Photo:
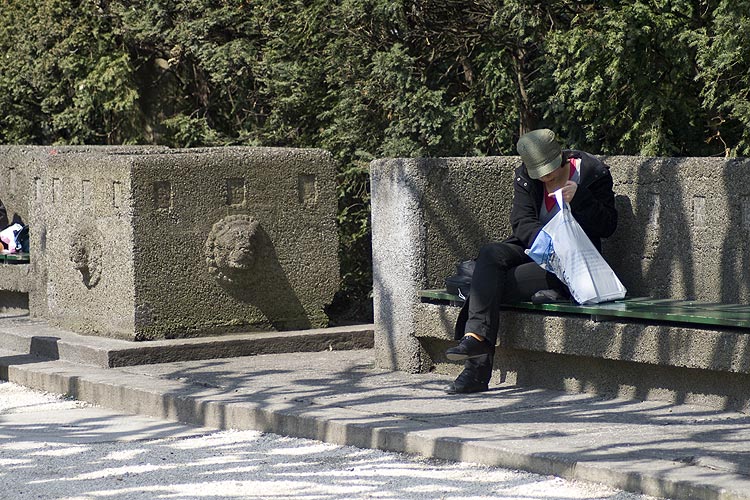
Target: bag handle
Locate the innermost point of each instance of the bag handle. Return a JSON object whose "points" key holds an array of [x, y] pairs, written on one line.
{"points": [[559, 197], [564, 207]]}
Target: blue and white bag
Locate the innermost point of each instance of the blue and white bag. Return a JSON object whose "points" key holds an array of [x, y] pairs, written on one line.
{"points": [[563, 248]]}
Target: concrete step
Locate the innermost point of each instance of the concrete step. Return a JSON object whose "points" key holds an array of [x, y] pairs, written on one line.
{"points": [[681, 452], [24, 335]]}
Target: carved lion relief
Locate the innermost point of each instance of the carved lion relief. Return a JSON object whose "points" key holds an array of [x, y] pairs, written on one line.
{"points": [[232, 248], [86, 255]]}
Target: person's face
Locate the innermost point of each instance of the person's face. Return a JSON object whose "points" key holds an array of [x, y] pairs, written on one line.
{"points": [[554, 177]]}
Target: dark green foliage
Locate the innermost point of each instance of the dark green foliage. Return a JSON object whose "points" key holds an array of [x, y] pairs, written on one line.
{"points": [[376, 78], [65, 76], [627, 80], [723, 61]]}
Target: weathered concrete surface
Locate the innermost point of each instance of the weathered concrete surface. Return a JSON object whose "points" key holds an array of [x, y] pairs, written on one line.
{"points": [[36, 337], [681, 231], [681, 234], [16, 277], [146, 243], [676, 451], [427, 214], [88, 241], [398, 262], [290, 192], [25, 186]]}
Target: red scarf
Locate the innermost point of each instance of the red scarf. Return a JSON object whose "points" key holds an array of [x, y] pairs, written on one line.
{"points": [[549, 201]]}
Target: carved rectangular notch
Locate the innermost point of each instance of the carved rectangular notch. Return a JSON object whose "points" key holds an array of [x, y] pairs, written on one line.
{"points": [[57, 190], [699, 211], [236, 191], [746, 212], [11, 180], [307, 189], [163, 195], [38, 186], [117, 194], [655, 208], [87, 193]]}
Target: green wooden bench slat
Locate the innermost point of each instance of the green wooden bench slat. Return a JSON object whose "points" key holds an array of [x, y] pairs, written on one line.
{"points": [[15, 258], [679, 311], [439, 295]]}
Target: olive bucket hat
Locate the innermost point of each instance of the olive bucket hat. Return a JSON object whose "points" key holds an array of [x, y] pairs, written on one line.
{"points": [[540, 152]]}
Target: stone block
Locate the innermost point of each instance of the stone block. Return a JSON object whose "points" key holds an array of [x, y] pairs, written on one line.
{"points": [[147, 243]]}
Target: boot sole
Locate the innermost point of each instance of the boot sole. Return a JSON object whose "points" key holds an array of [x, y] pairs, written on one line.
{"points": [[463, 357], [464, 390]]}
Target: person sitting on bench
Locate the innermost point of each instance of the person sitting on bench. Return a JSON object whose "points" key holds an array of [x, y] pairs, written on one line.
{"points": [[503, 272]]}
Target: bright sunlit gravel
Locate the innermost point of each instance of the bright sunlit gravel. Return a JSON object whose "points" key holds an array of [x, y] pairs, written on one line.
{"points": [[50, 448]]}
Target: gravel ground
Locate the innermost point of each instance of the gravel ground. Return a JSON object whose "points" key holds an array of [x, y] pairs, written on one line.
{"points": [[68, 460]]}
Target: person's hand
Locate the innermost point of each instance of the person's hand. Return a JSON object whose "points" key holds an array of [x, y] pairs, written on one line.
{"points": [[568, 191]]}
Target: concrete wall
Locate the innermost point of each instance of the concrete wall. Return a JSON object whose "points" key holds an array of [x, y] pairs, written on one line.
{"points": [[19, 165], [144, 243], [216, 195], [683, 229], [682, 234]]}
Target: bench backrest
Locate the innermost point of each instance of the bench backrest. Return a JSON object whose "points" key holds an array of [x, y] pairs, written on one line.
{"points": [[683, 230]]}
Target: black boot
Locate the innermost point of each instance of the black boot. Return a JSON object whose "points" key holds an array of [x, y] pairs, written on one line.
{"points": [[463, 386], [469, 348], [474, 378]]}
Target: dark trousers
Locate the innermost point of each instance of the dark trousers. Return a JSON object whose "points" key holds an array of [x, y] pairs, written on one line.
{"points": [[503, 274]]}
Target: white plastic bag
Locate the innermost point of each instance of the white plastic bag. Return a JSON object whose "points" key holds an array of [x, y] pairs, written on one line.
{"points": [[8, 236], [563, 248]]}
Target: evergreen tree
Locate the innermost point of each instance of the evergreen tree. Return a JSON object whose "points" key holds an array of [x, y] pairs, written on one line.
{"points": [[378, 78]]}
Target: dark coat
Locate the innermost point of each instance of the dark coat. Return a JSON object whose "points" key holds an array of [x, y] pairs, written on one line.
{"points": [[3, 217], [593, 205]]}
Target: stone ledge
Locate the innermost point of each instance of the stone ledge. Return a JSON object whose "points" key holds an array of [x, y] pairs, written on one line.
{"points": [[28, 336], [15, 277]]}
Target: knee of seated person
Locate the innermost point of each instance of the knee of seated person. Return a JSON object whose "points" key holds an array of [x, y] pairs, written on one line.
{"points": [[488, 251], [494, 252]]}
